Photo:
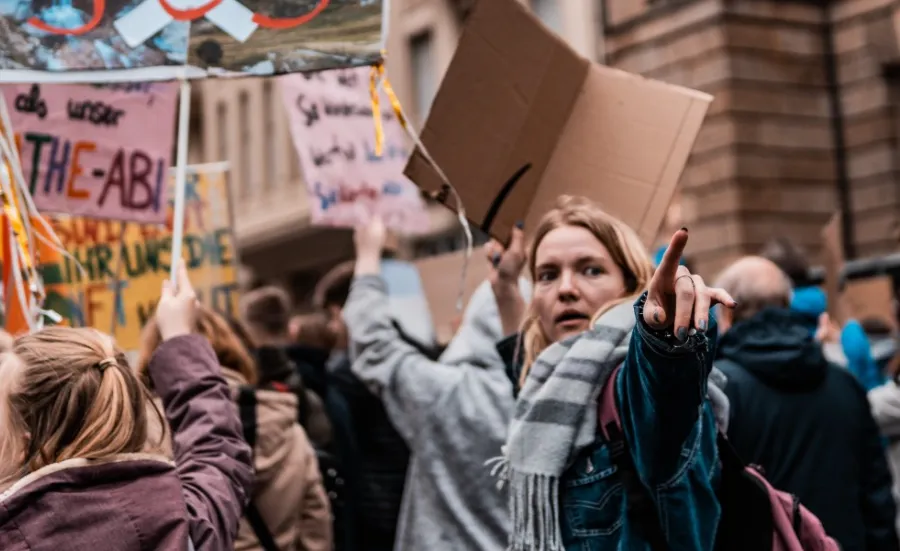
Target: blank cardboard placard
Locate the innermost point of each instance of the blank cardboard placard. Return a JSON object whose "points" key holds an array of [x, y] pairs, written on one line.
{"points": [[834, 261], [440, 277], [520, 119], [871, 298]]}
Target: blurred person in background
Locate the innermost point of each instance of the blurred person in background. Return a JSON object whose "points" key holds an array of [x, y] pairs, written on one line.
{"points": [[805, 421], [288, 506], [266, 314], [78, 467], [453, 413], [381, 456]]}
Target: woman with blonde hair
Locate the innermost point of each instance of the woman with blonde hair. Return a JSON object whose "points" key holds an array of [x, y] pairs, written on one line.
{"points": [[600, 314], [288, 509], [74, 424]]}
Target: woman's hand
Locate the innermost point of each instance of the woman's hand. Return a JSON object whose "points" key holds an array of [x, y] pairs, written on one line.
{"points": [[679, 299], [369, 240], [506, 265], [827, 332], [176, 312]]}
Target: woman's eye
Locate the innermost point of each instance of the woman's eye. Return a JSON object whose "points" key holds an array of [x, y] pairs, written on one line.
{"points": [[593, 271], [546, 276]]}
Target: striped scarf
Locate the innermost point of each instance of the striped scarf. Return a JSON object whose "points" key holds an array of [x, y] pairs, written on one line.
{"points": [[555, 420]]}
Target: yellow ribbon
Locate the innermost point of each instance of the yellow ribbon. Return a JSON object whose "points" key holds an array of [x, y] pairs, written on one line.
{"points": [[378, 74]]}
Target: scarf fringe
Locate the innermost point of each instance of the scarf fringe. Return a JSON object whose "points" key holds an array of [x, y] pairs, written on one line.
{"points": [[534, 504]]}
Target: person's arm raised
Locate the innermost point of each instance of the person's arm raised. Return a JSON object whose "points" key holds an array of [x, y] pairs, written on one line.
{"points": [[212, 460], [408, 383], [506, 268], [664, 381]]}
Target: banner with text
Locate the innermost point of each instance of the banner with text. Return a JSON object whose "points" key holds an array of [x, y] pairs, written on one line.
{"points": [[101, 151], [332, 126], [142, 258], [91, 41]]}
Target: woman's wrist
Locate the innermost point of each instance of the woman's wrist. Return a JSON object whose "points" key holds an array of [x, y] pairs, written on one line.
{"points": [[367, 264]]}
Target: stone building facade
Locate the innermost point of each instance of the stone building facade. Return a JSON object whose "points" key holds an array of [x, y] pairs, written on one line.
{"points": [[805, 122]]}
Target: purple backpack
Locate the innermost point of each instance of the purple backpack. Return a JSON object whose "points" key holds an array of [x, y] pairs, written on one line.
{"points": [[755, 516]]}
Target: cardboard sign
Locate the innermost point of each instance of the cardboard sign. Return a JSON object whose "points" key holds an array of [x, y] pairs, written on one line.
{"points": [[440, 277], [871, 298], [97, 151], [520, 119], [168, 39], [834, 261], [332, 126], [143, 257]]}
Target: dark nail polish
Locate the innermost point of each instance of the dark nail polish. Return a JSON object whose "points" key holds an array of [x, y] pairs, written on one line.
{"points": [[496, 259], [702, 326], [682, 334], [520, 224], [683, 228]]}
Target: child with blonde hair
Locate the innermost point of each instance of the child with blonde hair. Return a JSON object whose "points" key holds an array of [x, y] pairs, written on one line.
{"points": [[74, 430]]}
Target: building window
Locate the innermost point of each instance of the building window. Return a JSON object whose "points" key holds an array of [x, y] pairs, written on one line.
{"points": [[423, 72], [548, 12]]}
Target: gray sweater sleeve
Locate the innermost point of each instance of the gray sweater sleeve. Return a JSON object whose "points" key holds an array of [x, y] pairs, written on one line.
{"points": [[409, 384]]}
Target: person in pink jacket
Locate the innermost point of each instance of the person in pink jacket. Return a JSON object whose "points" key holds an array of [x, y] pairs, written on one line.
{"points": [[74, 472]]}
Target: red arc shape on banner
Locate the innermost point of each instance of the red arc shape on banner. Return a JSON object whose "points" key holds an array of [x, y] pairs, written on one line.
{"points": [[99, 8], [289, 22]]}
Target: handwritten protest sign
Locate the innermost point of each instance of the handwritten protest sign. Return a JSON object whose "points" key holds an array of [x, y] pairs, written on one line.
{"points": [[97, 151], [143, 259], [166, 39], [331, 123]]}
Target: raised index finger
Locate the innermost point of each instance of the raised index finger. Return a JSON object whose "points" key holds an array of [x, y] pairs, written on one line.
{"points": [[668, 266]]}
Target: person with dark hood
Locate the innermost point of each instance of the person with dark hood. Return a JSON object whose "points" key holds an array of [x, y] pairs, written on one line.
{"points": [[805, 421], [266, 313], [381, 458]]}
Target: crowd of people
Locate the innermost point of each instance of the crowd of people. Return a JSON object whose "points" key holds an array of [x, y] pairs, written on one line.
{"points": [[593, 398]]}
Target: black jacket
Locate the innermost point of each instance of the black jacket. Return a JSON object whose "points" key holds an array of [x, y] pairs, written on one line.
{"points": [[808, 424]]}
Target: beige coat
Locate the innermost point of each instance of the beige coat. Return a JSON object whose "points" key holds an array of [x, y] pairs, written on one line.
{"points": [[289, 492]]}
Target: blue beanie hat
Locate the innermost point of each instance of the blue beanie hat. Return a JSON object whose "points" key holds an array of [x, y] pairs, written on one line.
{"points": [[809, 300]]}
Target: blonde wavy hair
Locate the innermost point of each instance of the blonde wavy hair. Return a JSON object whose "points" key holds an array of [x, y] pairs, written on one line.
{"points": [[71, 395], [623, 244]]}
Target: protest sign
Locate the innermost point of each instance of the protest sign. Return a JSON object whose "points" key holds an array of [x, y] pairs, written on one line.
{"points": [[93, 40], [96, 151], [142, 258], [441, 279], [332, 126], [871, 298], [520, 119]]}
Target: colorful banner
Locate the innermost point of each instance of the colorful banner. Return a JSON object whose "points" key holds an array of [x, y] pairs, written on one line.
{"points": [[332, 126], [101, 151], [167, 39], [137, 263]]}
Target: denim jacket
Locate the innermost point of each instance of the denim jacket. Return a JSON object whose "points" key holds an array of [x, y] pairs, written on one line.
{"points": [[670, 432]]}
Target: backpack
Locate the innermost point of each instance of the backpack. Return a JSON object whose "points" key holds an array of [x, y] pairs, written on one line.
{"points": [[755, 516]]}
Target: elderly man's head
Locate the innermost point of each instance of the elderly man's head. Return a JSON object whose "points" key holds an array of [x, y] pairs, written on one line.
{"points": [[755, 284]]}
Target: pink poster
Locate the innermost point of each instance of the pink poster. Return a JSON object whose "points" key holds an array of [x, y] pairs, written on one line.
{"points": [[100, 151], [334, 133]]}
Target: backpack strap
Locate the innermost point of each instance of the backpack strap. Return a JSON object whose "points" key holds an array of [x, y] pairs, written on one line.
{"points": [[639, 505], [247, 410]]}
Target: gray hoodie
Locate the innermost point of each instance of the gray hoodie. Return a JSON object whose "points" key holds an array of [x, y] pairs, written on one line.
{"points": [[453, 415]]}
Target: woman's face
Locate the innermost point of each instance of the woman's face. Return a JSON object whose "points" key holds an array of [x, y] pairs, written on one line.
{"points": [[575, 277]]}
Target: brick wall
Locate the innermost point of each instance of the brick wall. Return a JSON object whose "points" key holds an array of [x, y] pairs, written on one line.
{"points": [[764, 162], [865, 42]]}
